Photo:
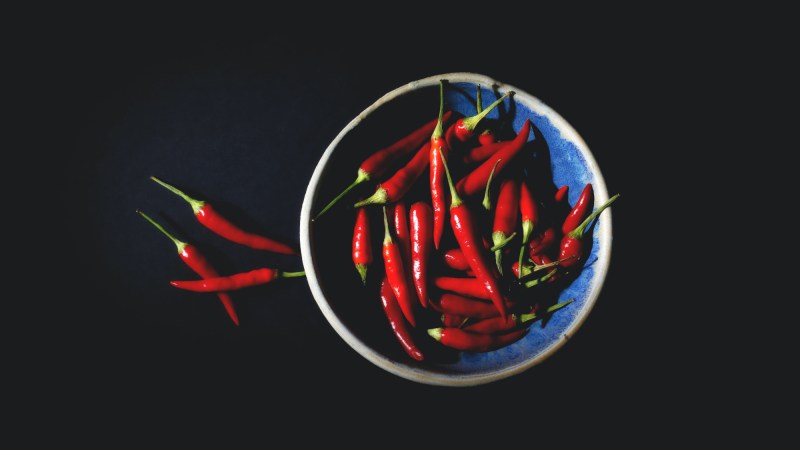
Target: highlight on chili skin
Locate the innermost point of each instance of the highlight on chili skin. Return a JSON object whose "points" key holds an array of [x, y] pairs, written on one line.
{"points": [[490, 248]]}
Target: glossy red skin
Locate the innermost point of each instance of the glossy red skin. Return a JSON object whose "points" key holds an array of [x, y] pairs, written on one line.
{"points": [[543, 241], [471, 287], [379, 162], [400, 220], [438, 185], [463, 340], [397, 321], [215, 222], [507, 209], [454, 258], [561, 193], [528, 207], [362, 243], [196, 261], [465, 306], [421, 229], [583, 207], [398, 279], [483, 152], [571, 247], [475, 181], [544, 259], [399, 184], [471, 243], [493, 325], [233, 282], [486, 138]]}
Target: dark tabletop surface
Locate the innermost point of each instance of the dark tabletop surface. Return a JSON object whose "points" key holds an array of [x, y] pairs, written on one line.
{"points": [[240, 116]]}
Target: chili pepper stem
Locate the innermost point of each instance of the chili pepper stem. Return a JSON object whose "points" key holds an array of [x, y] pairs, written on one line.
{"points": [[544, 278], [478, 102], [455, 200], [360, 178], [487, 202], [436, 333], [577, 233], [178, 243], [471, 122], [503, 241], [283, 274], [196, 205], [524, 318], [380, 197], [362, 271]]}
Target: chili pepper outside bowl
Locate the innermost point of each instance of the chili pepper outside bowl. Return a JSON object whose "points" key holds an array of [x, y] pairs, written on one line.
{"points": [[354, 309]]}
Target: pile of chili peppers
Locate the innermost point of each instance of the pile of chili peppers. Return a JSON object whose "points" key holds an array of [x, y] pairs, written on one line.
{"points": [[211, 280], [482, 254]]}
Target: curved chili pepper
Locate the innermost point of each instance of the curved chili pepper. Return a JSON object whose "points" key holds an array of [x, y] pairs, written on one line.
{"points": [[196, 261], [529, 209], [400, 218], [397, 321], [572, 244], [463, 340], [393, 189], [475, 181], [382, 160], [505, 218], [421, 245], [464, 127], [236, 281], [464, 306], [454, 258], [543, 242], [438, 148], [580, 210], [211, 219], [362, 244], [469, 239], [499, 324], [483, 152], [395, 272]]}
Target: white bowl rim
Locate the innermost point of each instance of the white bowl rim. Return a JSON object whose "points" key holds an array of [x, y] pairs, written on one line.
{"points": [[415, 373]]}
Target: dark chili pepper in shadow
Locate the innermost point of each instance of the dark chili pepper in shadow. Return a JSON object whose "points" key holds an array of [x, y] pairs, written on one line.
{"points": [[236, 281]]}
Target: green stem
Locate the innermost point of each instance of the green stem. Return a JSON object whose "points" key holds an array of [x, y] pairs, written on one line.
{"points": [[282, 274], [523, 318], [380, 197], [478, 103], [577, 233], [435, 333], [197, 205], [471, 122], [362, 177], [487, 203], [437, 132], [455, 200], [500, 241], [546, 277], [178, 243], [387, 237]]}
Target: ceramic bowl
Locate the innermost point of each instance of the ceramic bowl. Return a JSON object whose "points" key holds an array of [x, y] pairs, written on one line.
{"points": [[354, 310]]}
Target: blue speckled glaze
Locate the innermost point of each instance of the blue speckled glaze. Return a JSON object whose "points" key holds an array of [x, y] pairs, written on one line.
{"points": [[572, 164]]}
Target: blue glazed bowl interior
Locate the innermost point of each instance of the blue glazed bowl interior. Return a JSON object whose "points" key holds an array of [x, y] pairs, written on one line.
{"points": [[555, 156]]}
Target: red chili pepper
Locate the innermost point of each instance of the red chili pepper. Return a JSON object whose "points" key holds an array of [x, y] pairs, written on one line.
{"points": [[543, 242], [196, 261], [393, 189], [438, 148], [464, 306], [454, 258], [580, 210], [236, 281], [211, 219], [395, 272], [397, 321], [475, 181], [561, 193], [468, 286], [483, 152], [400, 218], [463, 340], [382, 160], [572, 244], [529, 209], [487, 135], [362, 244], [524, 275], [505, 218], [464, 127], [499, 324], [421, 245], [471, 243]]}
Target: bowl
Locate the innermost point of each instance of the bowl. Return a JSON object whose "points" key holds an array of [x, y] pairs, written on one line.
{"points": [[354, 310]]}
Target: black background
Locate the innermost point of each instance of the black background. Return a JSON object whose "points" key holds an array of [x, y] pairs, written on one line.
{"points": [[238, 111]]}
